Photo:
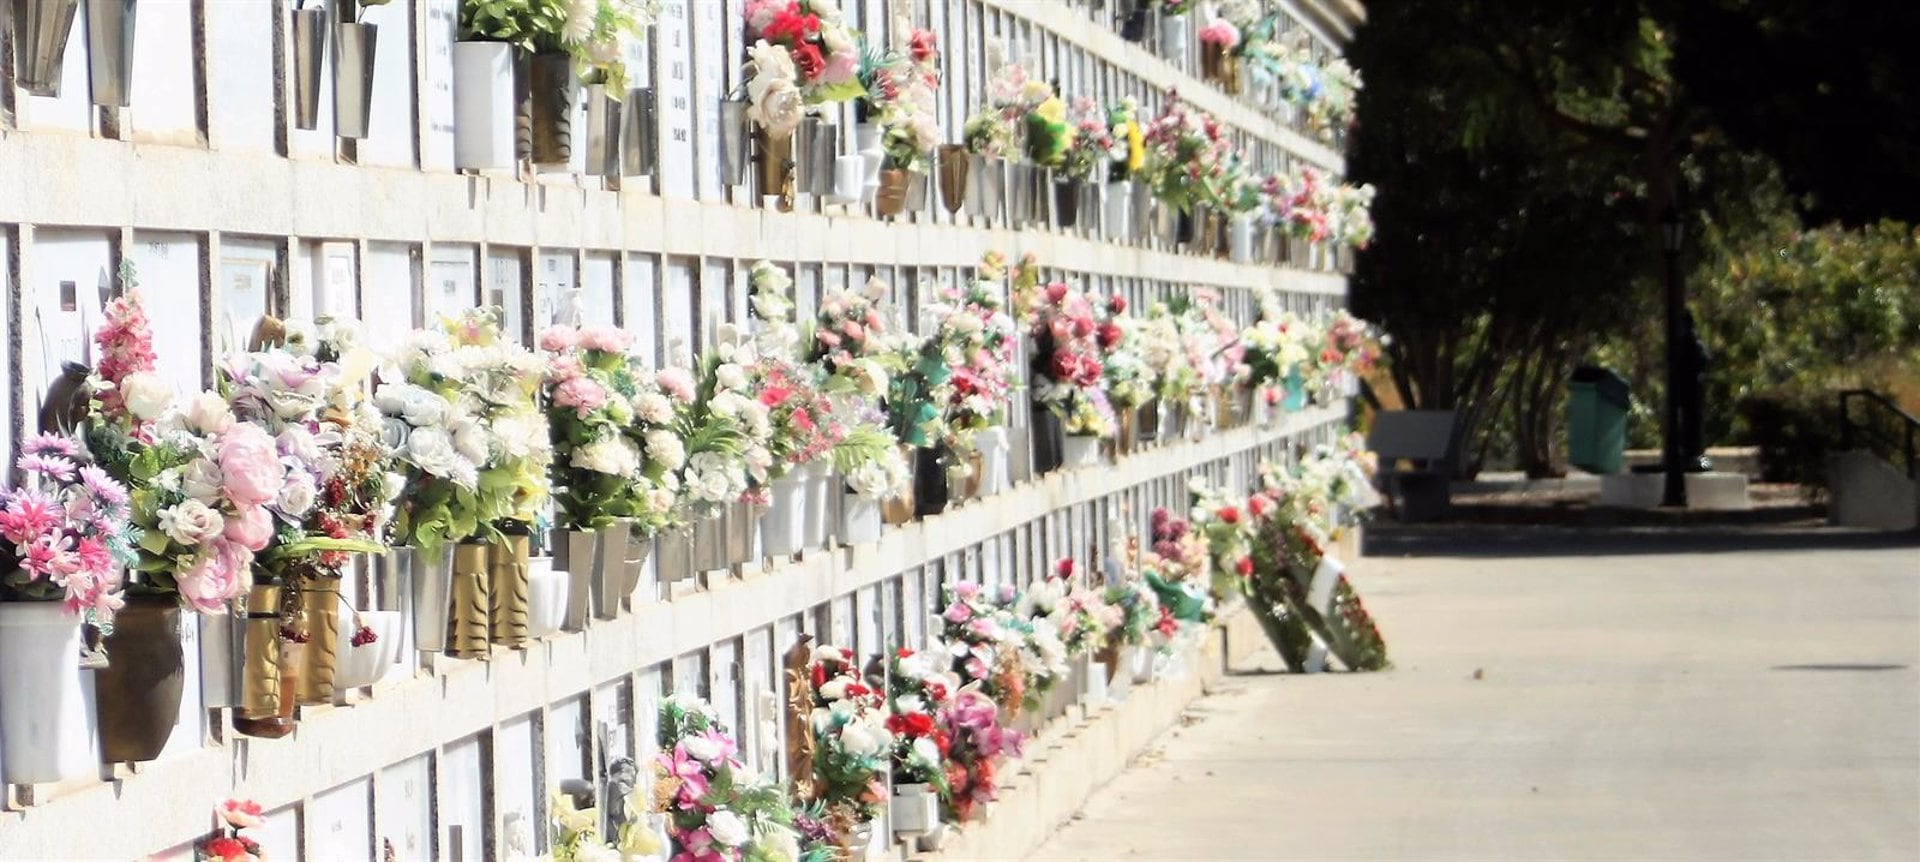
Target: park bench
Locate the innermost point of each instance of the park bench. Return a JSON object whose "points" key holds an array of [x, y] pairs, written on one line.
{"points": [[1424, 439]]}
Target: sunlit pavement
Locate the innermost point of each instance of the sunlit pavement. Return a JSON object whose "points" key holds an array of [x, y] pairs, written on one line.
{"points": [[1565, 695]]}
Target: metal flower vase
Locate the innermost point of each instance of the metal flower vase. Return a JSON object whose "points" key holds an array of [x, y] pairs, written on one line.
{"points": [[637, 151], [773, 163], [469, 605], [1066, 201], [110, 51], [40, 30], [354, 52], [309, 55], [432, 590], [614, 575], [268, 671], [509, 593], [576, 554], [317, 610], [734, 138], [546, 114], [952, 162], [603, 132], [892, 197]]}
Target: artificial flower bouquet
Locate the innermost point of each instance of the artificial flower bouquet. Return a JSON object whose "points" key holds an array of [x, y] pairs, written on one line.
{"points": [[850, 341], [919, 387], [919, 691], [1275, 345], [1128, 375], [1090, 143], [310, 407], [976, 337], [1066, 367], [724, 428], [589, 387], [870, 461], [852, 746], [659, 400], [67, 529], [978, 743], [1039, 616], [983, 646], [825, 53], [441, 443], [999, 127], [1229, 532], [1178, 566], [1088, 620], [900, 88], [1049, 133], [1143, 620], [600, 32], [803, 425], [1342, 351], [1125, 139], [717, 809], [1187, 153]]}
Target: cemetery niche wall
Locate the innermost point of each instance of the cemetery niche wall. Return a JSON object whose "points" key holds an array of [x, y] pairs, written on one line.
{"points": [[1013, 254]]}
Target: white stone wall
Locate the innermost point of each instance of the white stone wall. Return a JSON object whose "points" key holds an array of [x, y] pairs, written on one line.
{"points": [[227, 211]]}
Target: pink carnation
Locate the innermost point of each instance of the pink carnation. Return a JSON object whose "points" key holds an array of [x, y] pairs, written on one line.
{"points": [[676, 382], [558, 338], [608, 339], [583, 394]]}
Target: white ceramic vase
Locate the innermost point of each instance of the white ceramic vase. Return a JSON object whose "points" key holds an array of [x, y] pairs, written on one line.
{"points": [[859, 519], [47, 725], [1080, 450], [547, 594], [783, 528], [994, 446], [819, 503], [368, 663], [867, 139], [1240, 239], [914, 809]]}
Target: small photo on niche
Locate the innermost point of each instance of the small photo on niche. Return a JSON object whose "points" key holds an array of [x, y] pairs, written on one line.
{"points": [[243, 296], [69, 297]]}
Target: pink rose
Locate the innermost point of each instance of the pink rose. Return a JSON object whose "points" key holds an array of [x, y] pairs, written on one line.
{"points": [[958, 612], [840, 68], [250, 468], [1056, 292], [216, 578], [251, 529], [557, 338], [609, 339]]}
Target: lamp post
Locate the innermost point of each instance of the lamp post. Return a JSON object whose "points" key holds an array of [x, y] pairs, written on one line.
{"points": [[1672, 231]]}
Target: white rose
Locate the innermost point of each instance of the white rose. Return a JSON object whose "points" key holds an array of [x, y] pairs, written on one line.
{"points": [[860, 740], [926, 751], [209, 414], [727, 828], [666, 449], [660, 500], [909, 703], [422, 408], [731, 376], [835, 689], [191, 522], [713, 486], [201, 481], [470, 440], [593, 851], [145, 395], [431, 449], [701, 748], [297, 495]]}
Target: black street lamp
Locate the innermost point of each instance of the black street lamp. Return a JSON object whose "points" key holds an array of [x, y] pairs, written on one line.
{"points": [[1672, 232]]}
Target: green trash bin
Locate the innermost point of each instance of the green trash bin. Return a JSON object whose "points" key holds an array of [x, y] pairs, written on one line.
{"points": [[1597, 406]]}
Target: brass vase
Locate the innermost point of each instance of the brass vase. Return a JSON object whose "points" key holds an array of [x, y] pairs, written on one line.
{"points": [[546, 109], [892, 198], [952, 163], [259, 711], [508, 591], [317, 604], [469, 614], [898, 509], [138, 692], [773, 163]]}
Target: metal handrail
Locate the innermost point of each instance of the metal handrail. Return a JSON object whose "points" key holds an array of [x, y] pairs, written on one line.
{"points": [[1910, 424]]}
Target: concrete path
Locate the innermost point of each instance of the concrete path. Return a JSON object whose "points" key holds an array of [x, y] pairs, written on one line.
{"points": [[1565, 695]]}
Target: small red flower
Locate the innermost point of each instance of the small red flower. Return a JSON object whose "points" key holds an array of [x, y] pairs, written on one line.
{"points": [[1244, 567], [1064, 568], [1116, 304], [1229, 515], [1109, 335], [225, 849]]}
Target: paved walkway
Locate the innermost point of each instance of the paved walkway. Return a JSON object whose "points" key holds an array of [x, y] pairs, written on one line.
{"points": [[1565, 695]]}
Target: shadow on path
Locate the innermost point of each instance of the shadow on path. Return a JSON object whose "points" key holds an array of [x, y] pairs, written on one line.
{"points": [[1489, 541]]}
